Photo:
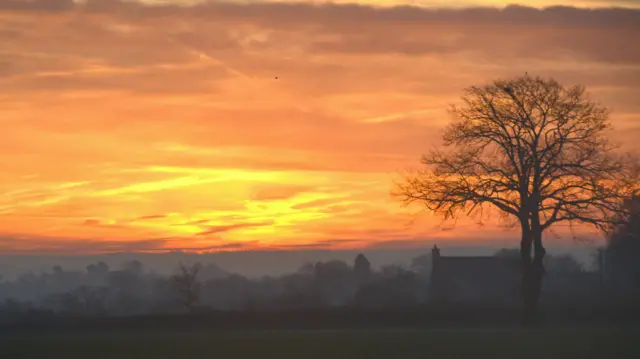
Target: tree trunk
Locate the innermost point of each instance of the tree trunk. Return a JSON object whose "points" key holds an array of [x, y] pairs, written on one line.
{"points": [[525, 267], [532, 270]]}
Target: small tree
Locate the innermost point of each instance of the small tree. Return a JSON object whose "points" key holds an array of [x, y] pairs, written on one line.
{"points": [[534, 150], [186, 284], [361, 269], [98, 269]]}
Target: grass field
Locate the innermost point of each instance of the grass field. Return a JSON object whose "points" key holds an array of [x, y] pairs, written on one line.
{"points": [[440, 344]]}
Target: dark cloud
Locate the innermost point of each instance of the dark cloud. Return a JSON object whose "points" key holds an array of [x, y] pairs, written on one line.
{"points": [[401, 243], [596, 34], [16, 244], [284, 247], [139, 44], [323, 244], [228, 246], [343, 14], [37, 5], [24, 244]]}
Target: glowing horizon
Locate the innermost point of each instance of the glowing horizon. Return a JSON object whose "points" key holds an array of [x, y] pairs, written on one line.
{"points": [[133, 129], [425, 3]]}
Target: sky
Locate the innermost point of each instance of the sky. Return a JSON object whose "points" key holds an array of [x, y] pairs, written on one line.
{"points": [[262, 125]]}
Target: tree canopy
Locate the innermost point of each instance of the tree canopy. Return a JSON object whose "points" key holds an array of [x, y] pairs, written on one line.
{"points": [[537, 151], [527, 146]]}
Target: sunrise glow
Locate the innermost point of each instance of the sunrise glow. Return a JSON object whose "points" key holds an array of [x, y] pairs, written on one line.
{"points": [[220, 127]]}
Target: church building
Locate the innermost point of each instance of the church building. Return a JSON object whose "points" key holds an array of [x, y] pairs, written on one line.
{"points": [[489, 280]]}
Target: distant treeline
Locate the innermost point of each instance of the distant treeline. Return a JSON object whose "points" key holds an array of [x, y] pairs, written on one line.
{"points": [[324, 287]]}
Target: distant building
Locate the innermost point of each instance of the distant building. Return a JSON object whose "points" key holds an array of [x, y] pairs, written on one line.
{"points": [[490, 280]]}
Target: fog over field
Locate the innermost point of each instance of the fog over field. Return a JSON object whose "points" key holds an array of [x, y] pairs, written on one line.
{"points": [[265, 263]]}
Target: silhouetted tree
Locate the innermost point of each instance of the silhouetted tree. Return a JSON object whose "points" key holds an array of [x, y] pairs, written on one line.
{"points": [[128, 286], [335, 281], [394, 286], [187, 285], [134, 267], [537, 152], [307, 269], [211, 271], [361, 269], [98, 269], [422, 264], [57, 270], [622, 251]]}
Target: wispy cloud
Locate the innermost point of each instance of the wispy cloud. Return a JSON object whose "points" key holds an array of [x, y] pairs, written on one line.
{"points": [[232, 227], [278, 192], [265, 123], [60, 245], [150, 217], [100, 224]]}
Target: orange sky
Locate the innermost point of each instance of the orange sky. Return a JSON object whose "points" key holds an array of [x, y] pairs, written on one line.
{"points": [[143, 128]]}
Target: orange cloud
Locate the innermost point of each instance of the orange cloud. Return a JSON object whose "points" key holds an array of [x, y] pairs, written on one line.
{"points": [[231, 227], [263, 125]]}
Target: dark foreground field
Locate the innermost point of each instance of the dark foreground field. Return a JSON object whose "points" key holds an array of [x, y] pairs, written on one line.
{"points": [[329, 344]]}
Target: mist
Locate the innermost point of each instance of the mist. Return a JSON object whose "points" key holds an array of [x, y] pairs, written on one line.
{"points": [[256, 264]]}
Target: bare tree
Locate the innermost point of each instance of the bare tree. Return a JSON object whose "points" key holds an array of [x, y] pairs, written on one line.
{"points": [[186, 284], [535, 150]]}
